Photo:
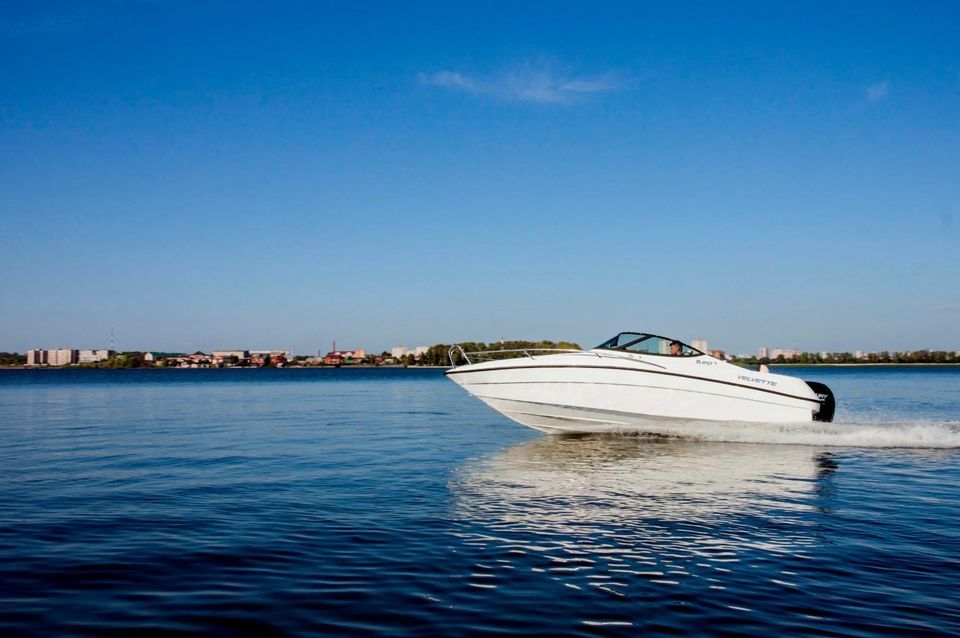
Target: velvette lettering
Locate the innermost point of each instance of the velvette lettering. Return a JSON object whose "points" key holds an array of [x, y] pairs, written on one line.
{"points": [[756, 380]]}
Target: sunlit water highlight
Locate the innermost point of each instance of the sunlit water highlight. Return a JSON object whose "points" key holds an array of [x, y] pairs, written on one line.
{"points": [[389, 502], [892, 434]]}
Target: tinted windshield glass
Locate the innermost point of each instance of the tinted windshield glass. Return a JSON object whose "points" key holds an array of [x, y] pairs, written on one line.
{"points": [[621, 340], [649, 344]]}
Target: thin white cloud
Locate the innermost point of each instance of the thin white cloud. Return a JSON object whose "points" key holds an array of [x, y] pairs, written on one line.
{"points": [[449, 79], [541, 83], [877, 92]]}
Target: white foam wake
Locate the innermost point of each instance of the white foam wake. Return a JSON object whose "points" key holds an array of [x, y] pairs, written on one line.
{"points": [[917, 434]]}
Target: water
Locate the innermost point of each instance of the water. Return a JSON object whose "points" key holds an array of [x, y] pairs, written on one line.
{"points": [[295, 502]]}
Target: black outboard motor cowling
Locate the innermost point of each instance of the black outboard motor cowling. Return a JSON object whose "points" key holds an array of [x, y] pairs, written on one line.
{"points": [[828, 404]]}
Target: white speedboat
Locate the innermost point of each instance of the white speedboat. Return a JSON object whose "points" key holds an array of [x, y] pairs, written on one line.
{"points": [[636, 382]]}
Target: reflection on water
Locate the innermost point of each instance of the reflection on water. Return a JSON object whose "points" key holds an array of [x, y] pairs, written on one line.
{"points": [[615, 512], [580, 479]]}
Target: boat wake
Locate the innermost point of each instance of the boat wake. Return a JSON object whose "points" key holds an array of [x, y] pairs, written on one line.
{"points": [[907, 434]]}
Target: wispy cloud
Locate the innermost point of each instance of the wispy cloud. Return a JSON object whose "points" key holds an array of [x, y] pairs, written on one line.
{"points": [[531, 82], [449, 79], [877, 92]]}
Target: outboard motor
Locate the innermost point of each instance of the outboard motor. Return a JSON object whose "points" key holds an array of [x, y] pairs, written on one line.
{"points": [[828, 404]]}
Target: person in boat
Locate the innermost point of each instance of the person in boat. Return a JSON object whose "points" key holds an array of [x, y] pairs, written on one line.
{"points": [[676, 348]]}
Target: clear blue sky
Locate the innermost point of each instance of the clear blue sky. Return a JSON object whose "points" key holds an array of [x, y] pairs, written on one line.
{"points": [[211, 175]]}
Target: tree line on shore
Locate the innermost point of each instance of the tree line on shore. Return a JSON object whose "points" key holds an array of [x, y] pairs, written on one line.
{"points": [[439, 354], [917, 356], [12, 359]]}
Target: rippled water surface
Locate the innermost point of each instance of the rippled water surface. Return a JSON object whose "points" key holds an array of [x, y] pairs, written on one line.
{"points": [[293, 502]]}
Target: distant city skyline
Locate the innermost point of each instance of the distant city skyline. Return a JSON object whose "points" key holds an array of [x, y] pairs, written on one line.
{"points": [[66, 355], [215, 176], [702, 344], [422, 355]]}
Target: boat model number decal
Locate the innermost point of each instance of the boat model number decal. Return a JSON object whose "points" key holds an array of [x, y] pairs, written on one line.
{"points": [[743, 377], [705, 363]]}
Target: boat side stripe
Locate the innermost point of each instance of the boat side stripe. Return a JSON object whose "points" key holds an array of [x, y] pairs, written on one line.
{"points": [[669, 374], [470, 388], [606, 413]]}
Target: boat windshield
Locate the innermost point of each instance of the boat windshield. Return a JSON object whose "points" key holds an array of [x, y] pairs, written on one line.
{"points": [[649, 344]]}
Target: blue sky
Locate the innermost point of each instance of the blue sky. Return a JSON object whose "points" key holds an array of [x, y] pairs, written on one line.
{"points": [[212, 175]]}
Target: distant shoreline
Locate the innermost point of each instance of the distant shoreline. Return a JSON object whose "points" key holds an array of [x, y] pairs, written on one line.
{"points": [[856, 365], [358, 366], [396, 367]]}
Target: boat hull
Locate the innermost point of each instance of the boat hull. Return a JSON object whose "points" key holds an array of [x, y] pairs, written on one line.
{"points": [[578, 393]]}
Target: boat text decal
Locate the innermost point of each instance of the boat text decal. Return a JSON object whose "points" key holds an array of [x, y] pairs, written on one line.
{"points": [[744, 377]]}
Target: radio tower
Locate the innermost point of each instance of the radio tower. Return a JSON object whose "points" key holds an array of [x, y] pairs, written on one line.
{"points": [[110, 347]]}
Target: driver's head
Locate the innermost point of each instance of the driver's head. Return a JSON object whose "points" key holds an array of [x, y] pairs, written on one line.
{"points": [[675, 347]]}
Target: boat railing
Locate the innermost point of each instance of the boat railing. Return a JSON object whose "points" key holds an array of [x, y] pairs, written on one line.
{"points": [[458, 355]]}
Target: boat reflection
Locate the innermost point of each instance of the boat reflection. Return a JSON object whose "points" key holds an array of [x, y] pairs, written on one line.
{"points": [[639, 500]]}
